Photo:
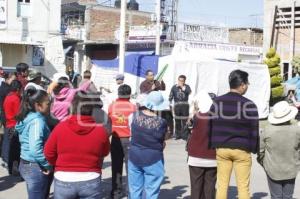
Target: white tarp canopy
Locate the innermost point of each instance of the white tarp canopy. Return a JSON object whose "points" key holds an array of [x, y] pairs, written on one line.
{"points": [[212, 76], [203, 73]]}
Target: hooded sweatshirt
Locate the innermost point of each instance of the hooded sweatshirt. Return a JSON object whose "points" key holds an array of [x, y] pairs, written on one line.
{"points": [[33, 133], [11, 107], [77, 144], [63, 100]]}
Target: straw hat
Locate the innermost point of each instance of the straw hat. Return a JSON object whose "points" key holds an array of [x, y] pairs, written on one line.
{"points": [[282, 112]]}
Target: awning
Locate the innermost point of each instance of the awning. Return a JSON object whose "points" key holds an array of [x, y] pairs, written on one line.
{"points": [[31, 43]]}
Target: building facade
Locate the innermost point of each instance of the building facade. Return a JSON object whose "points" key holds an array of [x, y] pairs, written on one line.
{"points": [[246, 36], [282, 30], [91, 31], [30, 33]]}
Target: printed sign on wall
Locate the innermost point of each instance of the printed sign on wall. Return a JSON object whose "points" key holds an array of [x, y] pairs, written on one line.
{"points": [[38, 56], [3, 14]]}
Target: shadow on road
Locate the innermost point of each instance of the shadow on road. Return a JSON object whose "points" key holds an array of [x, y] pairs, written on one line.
{"points": [[174, 192], [8, 182], [233, 193]]}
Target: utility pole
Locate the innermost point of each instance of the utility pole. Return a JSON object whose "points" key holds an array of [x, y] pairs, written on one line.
{"points": [[122, 37], [158, 19], [173, 18], [292, 39]]}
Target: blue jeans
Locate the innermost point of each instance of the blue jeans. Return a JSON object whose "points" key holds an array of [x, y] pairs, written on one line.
{"points": [[5, 146], [90, 189], [148, 179], [36, 182], [282, 189]]}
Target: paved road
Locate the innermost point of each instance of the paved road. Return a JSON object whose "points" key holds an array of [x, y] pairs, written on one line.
{"points": [[176, 184]]}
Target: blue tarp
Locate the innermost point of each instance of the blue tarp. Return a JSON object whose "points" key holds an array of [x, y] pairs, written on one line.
{"points": [[135, 64]]}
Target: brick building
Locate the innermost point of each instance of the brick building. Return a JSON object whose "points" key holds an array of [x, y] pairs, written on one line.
{"points": [[91, 31], [246, 36]]}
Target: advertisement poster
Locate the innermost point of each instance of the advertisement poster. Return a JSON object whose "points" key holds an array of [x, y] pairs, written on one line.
{"points": [[38, 56], [3, 14]]}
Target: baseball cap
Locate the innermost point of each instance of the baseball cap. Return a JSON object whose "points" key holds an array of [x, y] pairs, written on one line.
{"points": [[120, 77], [33, 74]]}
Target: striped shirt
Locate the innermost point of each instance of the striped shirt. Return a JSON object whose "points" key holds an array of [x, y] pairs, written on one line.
{"points": [[234, 123]]}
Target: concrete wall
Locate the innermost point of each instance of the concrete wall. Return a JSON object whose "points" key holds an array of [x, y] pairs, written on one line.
{"points": [[44, 18], [14, 54], [42, 28]]}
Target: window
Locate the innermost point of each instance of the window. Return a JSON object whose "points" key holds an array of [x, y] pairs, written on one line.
{"points": [[24, 1], [24, 8], [285, 71]]}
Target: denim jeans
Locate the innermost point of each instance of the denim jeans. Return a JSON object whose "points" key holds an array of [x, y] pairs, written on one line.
{"points": [[282, 189], [90, 189], [148, 179], [5, 146], [36, 182]]}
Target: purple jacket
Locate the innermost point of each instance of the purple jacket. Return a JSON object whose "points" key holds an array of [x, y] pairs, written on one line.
{"points": [[63, 101]]}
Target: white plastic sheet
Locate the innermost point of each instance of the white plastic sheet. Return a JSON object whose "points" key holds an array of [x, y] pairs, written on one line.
{"points": [[203, 73]]}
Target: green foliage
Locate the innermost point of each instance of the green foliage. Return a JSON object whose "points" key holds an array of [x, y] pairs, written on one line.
{"points": [[296, 63], [276, 81], [273, 60], [271, 53], [277, 92], [274, 71]]}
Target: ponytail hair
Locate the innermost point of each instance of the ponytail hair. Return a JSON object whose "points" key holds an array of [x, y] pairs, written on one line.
{"points": [[30, 97], [62, 83]]}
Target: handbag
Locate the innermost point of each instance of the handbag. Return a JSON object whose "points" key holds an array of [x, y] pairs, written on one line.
{"points": [[187, 133]]}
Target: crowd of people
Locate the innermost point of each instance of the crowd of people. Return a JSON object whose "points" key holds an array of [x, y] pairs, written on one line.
{"points": [[60, 135]]}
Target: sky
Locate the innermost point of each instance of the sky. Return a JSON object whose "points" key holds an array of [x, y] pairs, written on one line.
{"points": [[233, 13]]}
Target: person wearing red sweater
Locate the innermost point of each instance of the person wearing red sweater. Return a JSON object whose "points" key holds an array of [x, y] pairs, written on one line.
{"points": [[202, 160], [11, 144], [76, 148], [119, 112]]}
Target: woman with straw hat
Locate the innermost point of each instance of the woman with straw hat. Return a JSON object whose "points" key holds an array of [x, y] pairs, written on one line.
{"points": [[279, 150]]}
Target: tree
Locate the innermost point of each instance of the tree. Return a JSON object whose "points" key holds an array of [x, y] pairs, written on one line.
{"points": [[296, 64], [273, 62]]}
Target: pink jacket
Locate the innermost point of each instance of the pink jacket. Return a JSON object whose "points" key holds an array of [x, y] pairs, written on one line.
{"points": [[63, 101]]}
